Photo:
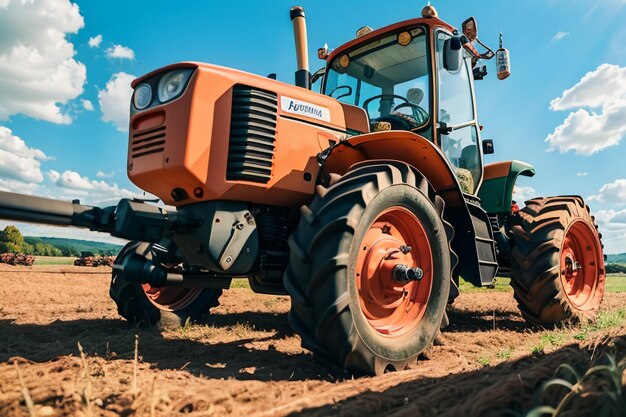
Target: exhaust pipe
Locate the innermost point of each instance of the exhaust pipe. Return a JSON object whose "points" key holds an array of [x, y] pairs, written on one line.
{"points": [[303, 75]]}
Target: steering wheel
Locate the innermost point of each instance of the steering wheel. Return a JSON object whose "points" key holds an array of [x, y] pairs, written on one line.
{"points": [[399, 121], [367, 102], [419, 114]]}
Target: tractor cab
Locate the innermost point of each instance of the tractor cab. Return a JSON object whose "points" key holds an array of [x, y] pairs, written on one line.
{"points": [[415, 76]]}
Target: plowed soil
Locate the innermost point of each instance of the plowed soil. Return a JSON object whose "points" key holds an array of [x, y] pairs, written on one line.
{"points": [[245, 360]]}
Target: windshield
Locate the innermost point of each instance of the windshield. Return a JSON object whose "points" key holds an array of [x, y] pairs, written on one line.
{"points": [[387, 77]]}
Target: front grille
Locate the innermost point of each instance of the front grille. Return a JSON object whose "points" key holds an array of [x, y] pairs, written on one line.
{"points": [[148, 142], [252, 134]]}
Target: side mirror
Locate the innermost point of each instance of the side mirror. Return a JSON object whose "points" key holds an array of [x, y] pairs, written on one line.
{"points": [[488, 147], [470, 29], [453, 54]]}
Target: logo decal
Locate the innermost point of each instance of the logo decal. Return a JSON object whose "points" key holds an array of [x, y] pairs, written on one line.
{"points": [[292, 105]]}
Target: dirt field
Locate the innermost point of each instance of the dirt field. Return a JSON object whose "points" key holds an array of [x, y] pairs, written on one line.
{"points": [[245, 360]]}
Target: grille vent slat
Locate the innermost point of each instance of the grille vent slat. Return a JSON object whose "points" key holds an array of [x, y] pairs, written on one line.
{"points": [[252, 134], [148, 142]]}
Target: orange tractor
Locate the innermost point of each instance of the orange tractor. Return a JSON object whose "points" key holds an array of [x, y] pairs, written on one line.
{"points": [[365, 203]]}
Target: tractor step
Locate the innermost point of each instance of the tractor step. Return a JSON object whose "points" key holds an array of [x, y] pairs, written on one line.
{"points": [[485, 245]]}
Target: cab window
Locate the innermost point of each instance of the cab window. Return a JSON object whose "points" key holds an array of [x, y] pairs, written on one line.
{"points": [[455, 108], [388, 77]]}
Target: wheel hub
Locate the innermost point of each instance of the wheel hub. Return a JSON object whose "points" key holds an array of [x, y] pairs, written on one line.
{"points": [[394, 272], [579, 264], [404, 274]]}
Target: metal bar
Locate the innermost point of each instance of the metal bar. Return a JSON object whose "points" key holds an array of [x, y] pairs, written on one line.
{"points": [[27, 208], [197, 281]]}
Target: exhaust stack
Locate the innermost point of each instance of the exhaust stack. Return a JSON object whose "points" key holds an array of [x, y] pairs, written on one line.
{"points": [[303, 75]]}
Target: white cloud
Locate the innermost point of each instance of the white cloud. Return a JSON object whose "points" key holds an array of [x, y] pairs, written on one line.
{"points": [[70, 179], [19, 163], [612, 193], [38, 72], [587, 131], [120, 52], [95, 41], [606, 83], [7, 184], [70, 184], [560, 35], [612, 225], [582, 174], [20, 171], [87, 105], [523, 192], [115, 100], [102, 174]]}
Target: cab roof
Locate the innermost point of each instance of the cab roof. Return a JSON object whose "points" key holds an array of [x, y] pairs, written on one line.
{"points": [[431, 22]]}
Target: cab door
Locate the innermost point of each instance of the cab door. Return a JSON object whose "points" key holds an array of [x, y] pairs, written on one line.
{"points": [[458, 133]]}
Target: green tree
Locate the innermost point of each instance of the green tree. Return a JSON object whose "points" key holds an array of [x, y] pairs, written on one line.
{"points": [[11, 240], [40, 249], [28, 249], [68, 251]]}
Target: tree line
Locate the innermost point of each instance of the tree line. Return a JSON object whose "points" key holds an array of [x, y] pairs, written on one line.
{"points": [[11, 240]]}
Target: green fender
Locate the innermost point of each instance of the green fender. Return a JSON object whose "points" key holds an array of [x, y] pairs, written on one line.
{"points": [[496, 192]]}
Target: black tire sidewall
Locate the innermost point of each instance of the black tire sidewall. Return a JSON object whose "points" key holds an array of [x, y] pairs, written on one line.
{"points": [[399, 348], [123, 291]]}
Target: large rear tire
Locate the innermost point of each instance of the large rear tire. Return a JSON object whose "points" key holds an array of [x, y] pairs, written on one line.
{"points": [[557, 261], [168, 306], [345, 302]]}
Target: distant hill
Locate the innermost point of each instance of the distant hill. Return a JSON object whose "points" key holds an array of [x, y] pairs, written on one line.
{"points": [[73, 247], [617, 258]]}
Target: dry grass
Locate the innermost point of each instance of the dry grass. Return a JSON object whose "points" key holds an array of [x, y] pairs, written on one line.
{"points": [[25, 392], [245, 359]]}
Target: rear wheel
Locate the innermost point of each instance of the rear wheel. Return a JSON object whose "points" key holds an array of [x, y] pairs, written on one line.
{"points": [[143, 303], [369, 271], [557, 261]]}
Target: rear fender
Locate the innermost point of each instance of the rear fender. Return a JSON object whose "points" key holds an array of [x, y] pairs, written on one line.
{"points": [[496, 192], [428, 159]]}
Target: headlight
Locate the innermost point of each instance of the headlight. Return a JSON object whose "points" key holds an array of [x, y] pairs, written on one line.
{"points": [[142, 97], [172, 84]]}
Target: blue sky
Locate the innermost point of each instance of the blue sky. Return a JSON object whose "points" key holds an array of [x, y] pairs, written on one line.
{"points": [[65, 69]]}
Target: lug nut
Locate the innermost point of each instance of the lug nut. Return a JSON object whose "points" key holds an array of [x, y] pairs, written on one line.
{"points": [[403, 274]]}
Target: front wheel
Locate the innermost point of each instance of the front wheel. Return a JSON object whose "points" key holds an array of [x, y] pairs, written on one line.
{"points": [[369, 271], [557, 261], [143, 303]]}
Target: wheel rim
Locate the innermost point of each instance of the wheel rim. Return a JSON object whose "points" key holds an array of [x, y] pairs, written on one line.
{"points": [[170, 298], [580, 264], [391, 307]]}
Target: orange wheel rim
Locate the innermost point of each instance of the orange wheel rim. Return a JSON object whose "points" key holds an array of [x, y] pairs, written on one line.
{"points": [[170, 298], [395, 239], [580, 264]]}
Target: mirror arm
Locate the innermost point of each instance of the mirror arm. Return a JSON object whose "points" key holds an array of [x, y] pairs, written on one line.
{"points": [[487, 55]]}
